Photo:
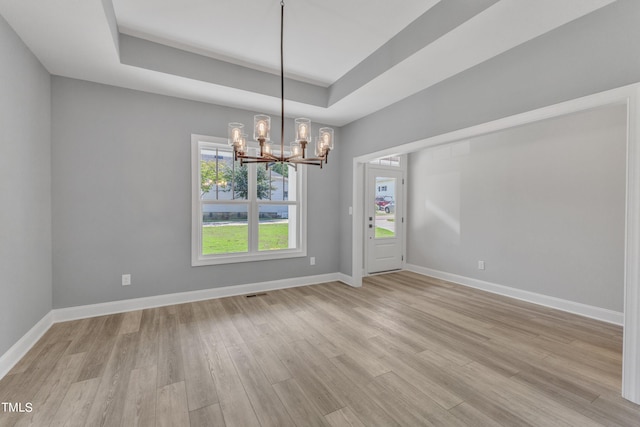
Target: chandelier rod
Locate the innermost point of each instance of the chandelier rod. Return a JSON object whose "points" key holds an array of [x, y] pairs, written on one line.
{"points": [[282, 79], [262, 125]]}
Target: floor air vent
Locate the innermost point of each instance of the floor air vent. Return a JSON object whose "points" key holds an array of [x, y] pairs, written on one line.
{"points": [[256, 295]]}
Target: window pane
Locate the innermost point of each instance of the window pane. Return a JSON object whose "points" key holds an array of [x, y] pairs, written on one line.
{"points": [[220, 177], [224, 229], [394, 161], [277, 183], [387, 161], [385, 207], [277, 227]]}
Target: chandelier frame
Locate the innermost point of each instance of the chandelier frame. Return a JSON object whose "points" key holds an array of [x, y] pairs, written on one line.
{"points": [[324, 142]]}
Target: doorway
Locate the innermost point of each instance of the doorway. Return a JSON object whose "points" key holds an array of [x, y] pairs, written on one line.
{"points": [[629, 95], [384, 218]]}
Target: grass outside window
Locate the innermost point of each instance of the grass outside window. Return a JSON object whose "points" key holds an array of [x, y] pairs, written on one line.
{"points": [[221, 239], [383, 232]]}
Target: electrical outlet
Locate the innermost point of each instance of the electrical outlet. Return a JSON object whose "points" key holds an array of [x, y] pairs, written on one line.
{"points": [[126, 279], [480, 265], [312, 260]]}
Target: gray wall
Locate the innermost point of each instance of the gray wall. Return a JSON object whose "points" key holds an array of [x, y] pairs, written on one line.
{"points": [[594, 53], [25, 189], [543, 205], [122, 197]]}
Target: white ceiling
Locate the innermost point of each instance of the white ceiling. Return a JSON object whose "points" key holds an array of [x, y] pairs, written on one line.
{"points": [[248, 32], [325, 40]]}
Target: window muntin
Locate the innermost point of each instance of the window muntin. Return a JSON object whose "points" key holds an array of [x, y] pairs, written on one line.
{"points": [[243, 213]]}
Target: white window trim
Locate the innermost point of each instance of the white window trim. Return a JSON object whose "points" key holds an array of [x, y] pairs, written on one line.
{"points": [[198, 259]]}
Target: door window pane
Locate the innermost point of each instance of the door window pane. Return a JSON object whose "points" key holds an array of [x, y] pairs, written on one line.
{"points": [[385, 207]]}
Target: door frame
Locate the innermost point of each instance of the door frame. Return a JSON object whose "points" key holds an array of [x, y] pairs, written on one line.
{"points": [[627, 95], [403, 224]]}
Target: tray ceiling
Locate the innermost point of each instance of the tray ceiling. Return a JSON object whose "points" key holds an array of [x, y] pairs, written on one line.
{"points": [[343, 60]]}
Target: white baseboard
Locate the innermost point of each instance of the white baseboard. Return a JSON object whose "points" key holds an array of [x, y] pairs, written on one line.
{"points": [[585, 310], [348, 280], [17, 351], [93, 310]]}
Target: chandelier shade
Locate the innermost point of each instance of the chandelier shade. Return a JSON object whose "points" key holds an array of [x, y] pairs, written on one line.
{"points": [[297, 153]]}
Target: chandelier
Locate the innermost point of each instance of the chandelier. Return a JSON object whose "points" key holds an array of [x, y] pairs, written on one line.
{"points": [[322, 144]]}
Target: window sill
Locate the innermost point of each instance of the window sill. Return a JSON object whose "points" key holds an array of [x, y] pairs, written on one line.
{"points": [[204, 260]]}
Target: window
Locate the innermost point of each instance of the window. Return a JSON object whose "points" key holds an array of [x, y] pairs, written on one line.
{"points": [[387, 161], [243, 212]]}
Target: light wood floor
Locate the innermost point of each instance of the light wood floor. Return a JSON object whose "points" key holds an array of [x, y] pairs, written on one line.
{"points": [[403, 350]]}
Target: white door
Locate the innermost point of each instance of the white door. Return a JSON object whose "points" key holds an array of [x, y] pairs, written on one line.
{"points": [[384, 219]]}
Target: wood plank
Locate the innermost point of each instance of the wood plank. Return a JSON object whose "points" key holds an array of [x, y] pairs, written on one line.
{"points": [[84, 340], [472, 417], [228, 332], [355, 395], [170, 366], [51, 392], [302, 411], [381, 406], [28, 359], [149, 338], [245, 328], [201, 391], [140, 403], [568, 397], [130, 322], [313, 326], [107, 408], [616, 410], [343, 418], [527, 402], [254, 310], [65, 331], [171, 409], [286, 323], [234, 402], [397, 408], [230, 306], [303, 371], [98, 355], [209, 416], [207, 322], [75, 407], [358, 347], [269, 362], [185, 313], [410, 368], [266, 404], [25, 385], [414, 400]]}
